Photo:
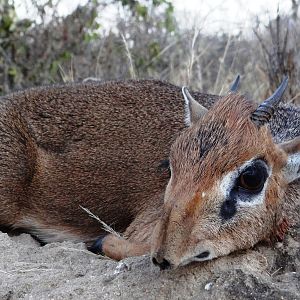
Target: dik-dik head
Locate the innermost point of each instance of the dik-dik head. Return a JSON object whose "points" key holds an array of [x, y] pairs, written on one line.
{"points": [[228, 180]]}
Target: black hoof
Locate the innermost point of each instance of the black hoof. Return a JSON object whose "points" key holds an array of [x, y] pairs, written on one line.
{"points": [[96, 247]]}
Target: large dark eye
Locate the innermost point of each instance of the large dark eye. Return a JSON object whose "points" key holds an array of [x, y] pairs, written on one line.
{"points": [[253, 178], [164, 168]]}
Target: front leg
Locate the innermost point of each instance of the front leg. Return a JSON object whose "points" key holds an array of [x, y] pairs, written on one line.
{"points": [[136, 240], [118, 248]]}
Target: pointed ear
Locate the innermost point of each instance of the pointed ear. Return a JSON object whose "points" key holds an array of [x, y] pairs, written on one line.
{"points": [[193, 110], [292, 149]]}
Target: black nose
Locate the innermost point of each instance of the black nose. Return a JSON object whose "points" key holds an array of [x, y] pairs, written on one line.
{"points": [[163, 265]]}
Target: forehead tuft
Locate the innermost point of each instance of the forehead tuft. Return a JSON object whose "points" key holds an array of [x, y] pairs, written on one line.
{"points": [[227, 122], [232, 110]]}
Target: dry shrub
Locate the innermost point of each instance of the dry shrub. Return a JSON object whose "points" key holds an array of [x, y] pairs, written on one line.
{"points": [[142, 46]]}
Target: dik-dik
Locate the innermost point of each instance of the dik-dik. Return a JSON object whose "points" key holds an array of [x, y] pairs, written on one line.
{"points": [[179, 181]]}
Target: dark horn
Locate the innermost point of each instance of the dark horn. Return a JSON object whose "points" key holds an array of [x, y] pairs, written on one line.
{"points": [[235, 85], [265, 111]]}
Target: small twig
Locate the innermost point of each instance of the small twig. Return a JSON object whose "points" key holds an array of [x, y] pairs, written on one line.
{"points": [[160, 53], [31, 270], [192, 57], [295, 97], [275, 272], [261, 43]]}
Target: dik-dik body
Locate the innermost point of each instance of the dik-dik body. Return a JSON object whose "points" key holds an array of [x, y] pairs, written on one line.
{"points": [[160, 168]]}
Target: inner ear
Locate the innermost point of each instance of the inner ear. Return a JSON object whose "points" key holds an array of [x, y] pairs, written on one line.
{"points": [[193, 110], [292, 168]]}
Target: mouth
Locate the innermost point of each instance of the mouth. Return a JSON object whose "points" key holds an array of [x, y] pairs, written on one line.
{"points": [[164, 264], [203, 255]]}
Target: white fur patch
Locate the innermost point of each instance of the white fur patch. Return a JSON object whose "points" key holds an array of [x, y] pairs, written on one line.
{"points": [[292, 169], [228, 181], [46, 233], [255, 200]]}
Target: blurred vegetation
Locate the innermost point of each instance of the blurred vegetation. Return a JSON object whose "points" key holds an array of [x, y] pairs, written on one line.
{"points": [[145, 42]]}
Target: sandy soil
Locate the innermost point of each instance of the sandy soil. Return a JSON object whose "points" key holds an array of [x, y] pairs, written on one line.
{"points": [[68, 271]]}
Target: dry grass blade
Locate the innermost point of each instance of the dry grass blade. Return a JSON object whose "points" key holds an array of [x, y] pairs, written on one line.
{"points": [[105, 226], [222, 63], [66, 77], [131, 67], [294, 98]]}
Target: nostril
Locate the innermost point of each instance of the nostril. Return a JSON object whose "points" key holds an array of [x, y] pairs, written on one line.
{"points": [[155, 262], [204, 254], [163, 265]]}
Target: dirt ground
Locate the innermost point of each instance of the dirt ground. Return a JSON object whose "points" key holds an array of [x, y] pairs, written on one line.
{"points": [[69, 271]]}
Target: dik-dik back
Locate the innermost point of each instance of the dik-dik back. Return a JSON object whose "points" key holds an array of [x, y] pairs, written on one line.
{"points": [[100, 146]]}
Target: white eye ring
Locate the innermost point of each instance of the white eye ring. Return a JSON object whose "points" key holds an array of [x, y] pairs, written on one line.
{"points": [[228, 183]]}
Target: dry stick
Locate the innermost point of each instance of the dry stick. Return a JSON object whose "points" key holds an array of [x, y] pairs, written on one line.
{"points": [[275, 272], [272, 67], [295, 97], [222, 64], [278, 34], [285, 40], [161, 53], [261, 42], [201, 70], [208, 46], [131, 67], [101, 46], [265, 52], [191, 60], [7, 62], [71, 69], [225, 85], [280, 54]]}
